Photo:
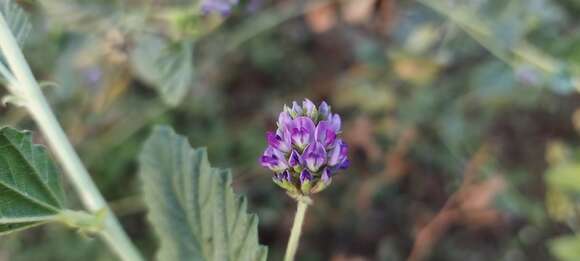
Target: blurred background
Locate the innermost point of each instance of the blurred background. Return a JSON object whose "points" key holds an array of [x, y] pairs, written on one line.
{"points": [[463, 117]]}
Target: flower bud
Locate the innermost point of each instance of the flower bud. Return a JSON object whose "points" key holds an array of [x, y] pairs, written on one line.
{"points": [[305, 182], [324, 182], [296, 110], [310, 109], [324, 111]]}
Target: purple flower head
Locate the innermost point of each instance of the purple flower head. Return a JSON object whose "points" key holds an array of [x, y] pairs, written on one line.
{"points": [[222, 7], [306, 150]]}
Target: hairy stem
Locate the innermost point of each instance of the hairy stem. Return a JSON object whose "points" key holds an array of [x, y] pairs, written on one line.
{"points": [[26, 89], [296, 231]]}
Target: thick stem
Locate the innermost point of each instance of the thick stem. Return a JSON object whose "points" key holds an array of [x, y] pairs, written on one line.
{"points": [[26, 88], [296, 231]]}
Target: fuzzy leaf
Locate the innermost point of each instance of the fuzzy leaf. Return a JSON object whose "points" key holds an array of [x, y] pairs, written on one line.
{"points": [[16, 18], [167, 67], [30, 187], [192, 206]]}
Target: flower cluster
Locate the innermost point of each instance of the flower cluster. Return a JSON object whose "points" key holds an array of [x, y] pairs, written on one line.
{"points": [[305, 151]]}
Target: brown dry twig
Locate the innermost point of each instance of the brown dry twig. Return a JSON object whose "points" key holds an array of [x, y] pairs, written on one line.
{"points": [[469, 203]]}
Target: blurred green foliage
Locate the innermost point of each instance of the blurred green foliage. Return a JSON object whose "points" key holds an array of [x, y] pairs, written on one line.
{"points": [[475, 101]]}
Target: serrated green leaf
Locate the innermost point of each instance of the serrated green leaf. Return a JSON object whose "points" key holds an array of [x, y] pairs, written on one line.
{"points": [[16, 18], [30, 187], [192, 206], [167, 67]]}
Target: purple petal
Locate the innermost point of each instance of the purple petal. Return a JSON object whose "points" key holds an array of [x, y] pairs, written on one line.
{"points": [[325, 133], [274, 160], [325, 180], [283, 120], [301, 131], [267, 161], [343, 149], [295, 159], [326, 176], [324, 111], [338, 157], [309, 108], [276, 142], [305, 176], [345, 164], [335, 156], [296, 110], [335, 122], [285, 176], [314, 156]]}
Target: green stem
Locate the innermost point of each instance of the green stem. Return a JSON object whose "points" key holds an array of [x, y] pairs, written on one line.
{"points": [[296, 231], [26, 89]]}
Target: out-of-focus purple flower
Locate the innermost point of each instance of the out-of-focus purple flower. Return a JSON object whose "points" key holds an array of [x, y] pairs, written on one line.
{"points": [[254, 6], [528, 75], [305, 151], [223, 7]]}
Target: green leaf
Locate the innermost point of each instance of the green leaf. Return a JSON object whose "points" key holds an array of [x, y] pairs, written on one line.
{"points": [[192, 205], [16, 18], [167, 67], [30, 187], [566, 248]]}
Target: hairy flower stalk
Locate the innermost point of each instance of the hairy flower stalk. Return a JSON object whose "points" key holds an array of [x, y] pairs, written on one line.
{"points": [[25, 91], [304, 153]]}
